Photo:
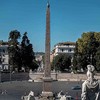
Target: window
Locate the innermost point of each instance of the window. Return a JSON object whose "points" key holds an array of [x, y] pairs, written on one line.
{"points": [[3, 50], [3, 60], [3, 55], [70, 50], [5, 67], [62, 50]]}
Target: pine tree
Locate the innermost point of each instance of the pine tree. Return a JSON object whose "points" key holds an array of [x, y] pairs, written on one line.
{"points": [[14, 49], [27, 53]]}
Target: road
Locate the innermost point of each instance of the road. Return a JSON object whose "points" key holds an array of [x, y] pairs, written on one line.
{"points": [[15, 89]]}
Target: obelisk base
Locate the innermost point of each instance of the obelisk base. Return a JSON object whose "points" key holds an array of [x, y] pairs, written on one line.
{"points": [[46, 93], [46, 96]]}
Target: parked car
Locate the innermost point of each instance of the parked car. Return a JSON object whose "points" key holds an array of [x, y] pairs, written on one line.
{"points": [[77, 87]]}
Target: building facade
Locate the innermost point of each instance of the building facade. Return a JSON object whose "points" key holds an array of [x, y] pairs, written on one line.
{"points": [[4, 56], [64, 47]]}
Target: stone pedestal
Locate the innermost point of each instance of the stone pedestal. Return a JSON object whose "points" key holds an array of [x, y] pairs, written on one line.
{"points": [[46, 96], [46, 93]]}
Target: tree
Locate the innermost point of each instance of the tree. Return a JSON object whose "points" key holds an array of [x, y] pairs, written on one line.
{"points": [[92, 49], [14, 49], [13, 37], [97, 57], [27, 54], [86, 39], [87, 47], [61, 62]]}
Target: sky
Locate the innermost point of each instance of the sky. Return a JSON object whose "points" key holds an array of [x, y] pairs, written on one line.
{"points": [[69, 19]]}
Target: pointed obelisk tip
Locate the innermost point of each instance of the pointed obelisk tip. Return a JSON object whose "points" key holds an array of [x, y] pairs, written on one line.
{"points": [[48, 4]]}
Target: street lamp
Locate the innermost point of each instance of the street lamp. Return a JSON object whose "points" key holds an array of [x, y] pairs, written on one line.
{"points": [[10, 66], [0, 73], [0, 65], [91, 58], [10, 72]]}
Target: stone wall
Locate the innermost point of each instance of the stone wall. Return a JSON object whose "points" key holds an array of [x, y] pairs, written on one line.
{"points": [[62, 76]]}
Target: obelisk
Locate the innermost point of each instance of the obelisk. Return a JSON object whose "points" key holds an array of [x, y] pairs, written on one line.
{"points": [[47, 70]]}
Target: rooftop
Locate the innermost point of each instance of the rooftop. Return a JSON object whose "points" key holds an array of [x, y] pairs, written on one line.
{"points": [[66, 43]]}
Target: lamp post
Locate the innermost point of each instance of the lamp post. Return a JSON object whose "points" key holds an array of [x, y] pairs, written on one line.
{"points": [[0, 74], [0, 65], [79, 61], [10, 72], [91, 58], [72, 61], [10, 66]]}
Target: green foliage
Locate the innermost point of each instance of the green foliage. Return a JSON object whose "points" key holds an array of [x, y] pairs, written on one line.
{"points": [[88, 39], [13, 37], [61, 62], [27, 54], [86, 48], [97, 57], [21, 55], [14, 49]]}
